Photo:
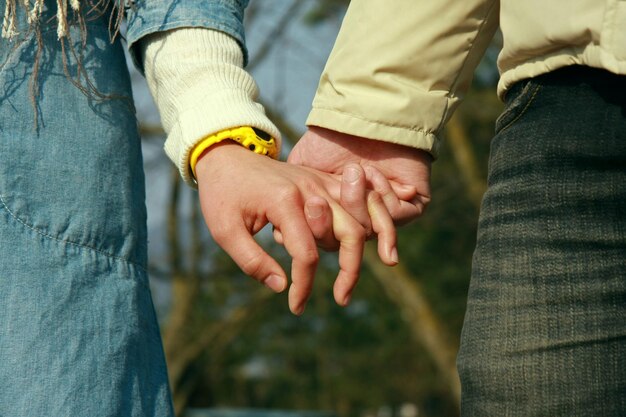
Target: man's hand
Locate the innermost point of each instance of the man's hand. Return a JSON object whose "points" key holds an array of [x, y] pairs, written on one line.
{"points": [[399, 174], [240, 192]]}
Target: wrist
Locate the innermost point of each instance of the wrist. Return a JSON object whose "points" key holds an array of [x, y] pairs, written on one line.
{"points": [[215, 152], [248, 137]]}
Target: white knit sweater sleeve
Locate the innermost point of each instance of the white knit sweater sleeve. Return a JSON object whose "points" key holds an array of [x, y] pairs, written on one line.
{"points": [[197, 79]]}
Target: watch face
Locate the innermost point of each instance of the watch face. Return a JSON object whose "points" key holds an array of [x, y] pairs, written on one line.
{"points": [[262, 135]]}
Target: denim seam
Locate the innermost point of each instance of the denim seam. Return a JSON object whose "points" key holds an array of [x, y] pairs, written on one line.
{"points": [[159, 27], [530, 101], [176, 24], [69, 242]]}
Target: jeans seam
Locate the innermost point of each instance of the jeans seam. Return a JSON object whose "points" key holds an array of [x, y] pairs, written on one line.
{"points": [[65, 241], [530, 101]]}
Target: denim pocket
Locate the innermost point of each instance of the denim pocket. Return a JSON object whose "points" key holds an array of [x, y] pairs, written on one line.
{"points": [[518, 100]]}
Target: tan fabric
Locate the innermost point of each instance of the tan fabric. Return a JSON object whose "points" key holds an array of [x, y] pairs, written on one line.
{"points": [[541, 36], [200, 88], [399, 69]]}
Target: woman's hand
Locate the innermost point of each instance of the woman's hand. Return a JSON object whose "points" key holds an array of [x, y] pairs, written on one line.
{"points": [[240, 192]]}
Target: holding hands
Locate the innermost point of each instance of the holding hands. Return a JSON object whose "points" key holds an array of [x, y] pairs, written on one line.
{"points": [[337, 191]]}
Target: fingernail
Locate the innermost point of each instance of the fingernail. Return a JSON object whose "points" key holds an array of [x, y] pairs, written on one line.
{"points": [[314, 211], [393, 255], [275, 282], [298, 310], [351, 175], [347, 299]]}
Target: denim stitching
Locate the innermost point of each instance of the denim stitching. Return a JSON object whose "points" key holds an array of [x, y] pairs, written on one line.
{"points": [[69, 242], [530, 101], [172, 25]]}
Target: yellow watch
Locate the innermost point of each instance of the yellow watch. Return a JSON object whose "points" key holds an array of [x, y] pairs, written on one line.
{"points": [[252, 138]]}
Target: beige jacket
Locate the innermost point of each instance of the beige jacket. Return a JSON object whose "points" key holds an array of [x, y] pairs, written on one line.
{"points": [[399, 69]]}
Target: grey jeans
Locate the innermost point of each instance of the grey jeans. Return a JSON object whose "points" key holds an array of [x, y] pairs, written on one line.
{"points": [[545, 329]]}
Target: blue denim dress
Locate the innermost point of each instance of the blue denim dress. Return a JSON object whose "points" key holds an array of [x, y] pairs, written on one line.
{"points": [[78, 332]]}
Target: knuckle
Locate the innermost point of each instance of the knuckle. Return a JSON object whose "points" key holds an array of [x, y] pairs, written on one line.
{"points": [[349, 279], [350, 200], [312, 186], [422, 204], [374, 197], [309, 256], [357, 235], [403, 210], [395, 212], [289, 193], [253, 266], [220, 232]]}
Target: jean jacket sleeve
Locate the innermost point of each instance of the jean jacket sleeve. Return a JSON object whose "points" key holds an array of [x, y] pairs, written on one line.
{"points": [[145, 17]]}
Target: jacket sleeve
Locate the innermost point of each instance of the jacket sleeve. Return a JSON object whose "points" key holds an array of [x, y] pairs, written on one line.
{"points": [[399, 69]]}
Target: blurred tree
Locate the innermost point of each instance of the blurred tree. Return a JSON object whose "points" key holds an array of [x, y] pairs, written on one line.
{"points": [[324, 10]]}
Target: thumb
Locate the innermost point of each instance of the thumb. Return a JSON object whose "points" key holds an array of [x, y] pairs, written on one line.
{"points": [[237, 241]]}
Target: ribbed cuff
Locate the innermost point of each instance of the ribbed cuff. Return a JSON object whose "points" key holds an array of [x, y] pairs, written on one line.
{"points": [[200, 88]]}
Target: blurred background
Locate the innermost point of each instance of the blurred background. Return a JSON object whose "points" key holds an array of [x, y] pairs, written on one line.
{"points": [[233, 345]]}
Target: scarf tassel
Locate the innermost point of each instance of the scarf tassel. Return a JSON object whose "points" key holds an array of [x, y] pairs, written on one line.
{"points": [[9, 23]]}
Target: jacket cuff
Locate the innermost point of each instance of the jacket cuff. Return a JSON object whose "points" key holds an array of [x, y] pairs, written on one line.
{"points": [[196, 78], [354, 125]]}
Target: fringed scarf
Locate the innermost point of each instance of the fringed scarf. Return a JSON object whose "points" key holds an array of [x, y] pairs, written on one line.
{"points": [[34, 9], [93, 8], [9, 26]]}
